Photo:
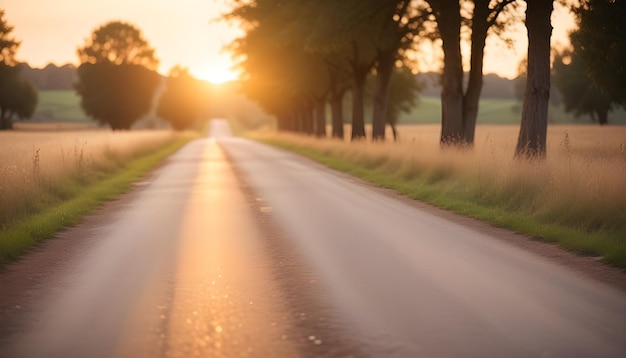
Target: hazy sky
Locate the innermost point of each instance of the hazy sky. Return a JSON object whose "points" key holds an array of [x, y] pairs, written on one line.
{"points": [[182, 31]]}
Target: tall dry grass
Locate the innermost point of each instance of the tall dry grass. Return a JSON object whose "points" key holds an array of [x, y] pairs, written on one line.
{"points": [[580, 186], [40, 167]]}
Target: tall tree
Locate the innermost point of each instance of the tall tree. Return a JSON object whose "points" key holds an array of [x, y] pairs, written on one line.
{"points": [[118, 43], [183, 102], [448, 17], [8, 43], [579, 94], [278, 72], [531, 142], [404, 92], [400, 25], [459, 107], [343, 32], [117, 78], [18, 97], [599, 42]]}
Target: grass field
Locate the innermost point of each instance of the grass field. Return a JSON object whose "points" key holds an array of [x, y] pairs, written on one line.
{"points": [[59, 106], [64, 106], [49, 179], [498, 111], [577, 197]]}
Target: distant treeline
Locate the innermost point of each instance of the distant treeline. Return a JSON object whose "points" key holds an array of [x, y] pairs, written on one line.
{"points": [[54, 77], [494, 86], [51, 77]]}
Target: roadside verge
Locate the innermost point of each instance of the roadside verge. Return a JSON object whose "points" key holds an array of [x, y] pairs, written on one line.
{"points": [[514, 209], [22, 234]]}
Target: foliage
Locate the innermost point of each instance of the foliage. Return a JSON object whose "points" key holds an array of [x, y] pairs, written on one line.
{"points": [[404, 90], [117, 80], [116, 95], [579, 94], [118, 43], [17, 97], [404, 93], [8, 44], [599, 41], [296, 53], [184, 100]]}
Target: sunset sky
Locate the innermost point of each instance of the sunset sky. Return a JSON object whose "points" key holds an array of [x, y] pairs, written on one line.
{"points": [[182, 31]]}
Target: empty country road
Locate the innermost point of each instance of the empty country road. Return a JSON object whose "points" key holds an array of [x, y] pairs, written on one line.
{"points": [[233, 248]]}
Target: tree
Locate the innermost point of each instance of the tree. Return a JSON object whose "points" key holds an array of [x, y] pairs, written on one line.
{"points": [[117, 78], [335, 34], [403, 26], [599, 43], [459, 108], [18, 97], [368, 36], [404, 92], [8, 44], [118, 43], [184, 100], [580, 96], [531, 142], [278, 73]]}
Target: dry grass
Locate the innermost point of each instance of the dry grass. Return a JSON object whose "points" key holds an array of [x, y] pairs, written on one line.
{"points": [[580, 188], [41, 167]]}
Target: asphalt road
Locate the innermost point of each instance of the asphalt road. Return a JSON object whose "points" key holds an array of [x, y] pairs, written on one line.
{"points": [[234, 248]]}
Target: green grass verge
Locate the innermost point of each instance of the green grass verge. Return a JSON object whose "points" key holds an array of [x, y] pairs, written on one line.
{"points": [[446, 193], [76, 198]]}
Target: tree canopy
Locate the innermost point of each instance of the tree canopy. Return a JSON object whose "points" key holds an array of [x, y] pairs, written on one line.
{"points": [[117, 81], [599, 44], [119, 43], [18, 97], [352, 39], [8, 44], [404, 93], [579, 94], [184, 100]]}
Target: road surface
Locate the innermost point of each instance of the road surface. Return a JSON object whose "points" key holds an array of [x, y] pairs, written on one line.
{"points": [[234, 248]]}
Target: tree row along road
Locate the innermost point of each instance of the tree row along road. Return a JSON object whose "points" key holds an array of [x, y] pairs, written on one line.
{"points": [[233, 248]]}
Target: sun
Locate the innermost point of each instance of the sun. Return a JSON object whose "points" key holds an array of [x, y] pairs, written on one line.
{"points": [[217, 75]]}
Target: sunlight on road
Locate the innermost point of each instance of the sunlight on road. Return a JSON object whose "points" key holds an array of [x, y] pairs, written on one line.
{"points": [[222, 301]]}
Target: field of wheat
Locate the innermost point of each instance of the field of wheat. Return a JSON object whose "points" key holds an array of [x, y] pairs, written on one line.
{"points": [[579, 189], [41, 167]]}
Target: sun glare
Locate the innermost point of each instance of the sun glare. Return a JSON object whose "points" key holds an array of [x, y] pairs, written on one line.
{"points": [[217, 75]]}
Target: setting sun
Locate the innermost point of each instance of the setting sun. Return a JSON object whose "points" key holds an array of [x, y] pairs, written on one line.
{"points": [[216, 75]]}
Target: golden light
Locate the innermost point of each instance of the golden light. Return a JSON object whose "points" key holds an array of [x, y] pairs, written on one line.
{"points": [[216, 75]]}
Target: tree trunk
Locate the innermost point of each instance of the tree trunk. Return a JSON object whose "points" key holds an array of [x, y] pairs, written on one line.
{"points": [[475, 84], [532, 137], [358, 102], [309, 120], [320, 117], [394, 131], [5, 120], [290, 121], [603, 115], [336, 110], [449, 23], [283, 121], [384, 69]]}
